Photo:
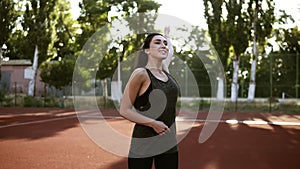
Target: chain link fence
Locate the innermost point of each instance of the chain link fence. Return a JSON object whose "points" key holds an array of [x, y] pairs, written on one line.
{"points": [[277, 87]]}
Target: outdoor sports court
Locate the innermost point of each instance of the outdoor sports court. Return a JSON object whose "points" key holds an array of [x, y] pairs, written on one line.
{"points": [[45, 138]]}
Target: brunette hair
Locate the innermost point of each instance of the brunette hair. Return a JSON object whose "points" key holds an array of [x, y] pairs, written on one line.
{"points": [[148, 40], [142, 56]]}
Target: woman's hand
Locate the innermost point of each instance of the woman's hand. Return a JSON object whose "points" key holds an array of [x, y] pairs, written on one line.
{"points": [[167, 31], [167, 61], [159, 127]]}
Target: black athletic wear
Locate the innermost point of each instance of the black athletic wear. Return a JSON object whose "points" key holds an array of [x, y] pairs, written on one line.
{"points": [[157, 102]]}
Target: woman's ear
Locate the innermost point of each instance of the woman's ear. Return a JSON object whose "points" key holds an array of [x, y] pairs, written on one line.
{"points": [[146, 51]]}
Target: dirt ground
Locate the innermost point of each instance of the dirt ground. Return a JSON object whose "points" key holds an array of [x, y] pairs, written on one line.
{"points": [[48, 138]]}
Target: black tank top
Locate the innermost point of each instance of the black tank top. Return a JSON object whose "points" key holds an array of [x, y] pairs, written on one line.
{"points": [[157, 102]]}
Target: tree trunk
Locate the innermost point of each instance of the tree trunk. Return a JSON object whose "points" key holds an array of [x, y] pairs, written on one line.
{"points": [[251, 91], [104, 88], [31, 84], [220, 91], [234, 84]]}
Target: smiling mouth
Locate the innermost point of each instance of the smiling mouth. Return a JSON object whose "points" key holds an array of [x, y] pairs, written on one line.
{"points": [[163, 51]]}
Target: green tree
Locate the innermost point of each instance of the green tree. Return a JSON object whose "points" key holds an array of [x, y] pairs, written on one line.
{"points": [[96, 21], [218, 32], [64, 31], [286, 61], [280, 62], [35, 34], [46, 23], [37, 25], [194, 53], [58, 73], [291, 39], [237, 24], [140, 24], [62, 48], [229, 24], [261, 15], [217, 28], [46, 26], [8, 17]]}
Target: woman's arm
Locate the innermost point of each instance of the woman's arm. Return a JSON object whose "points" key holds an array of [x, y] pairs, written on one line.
{"points": [[168, 60], [131, 91]]}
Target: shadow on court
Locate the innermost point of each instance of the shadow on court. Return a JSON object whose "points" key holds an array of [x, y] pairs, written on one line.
{"points": [[242, 146], [34, 119], [238, 146]]}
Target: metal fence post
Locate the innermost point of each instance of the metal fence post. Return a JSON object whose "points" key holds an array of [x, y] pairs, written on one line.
{"points": [[15, 94], [271, 84], [297, 74]]}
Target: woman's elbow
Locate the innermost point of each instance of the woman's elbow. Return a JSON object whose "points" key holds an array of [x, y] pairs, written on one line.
{"points": [[123, 111]]}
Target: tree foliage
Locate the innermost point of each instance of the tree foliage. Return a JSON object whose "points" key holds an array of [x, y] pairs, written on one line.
{"points": [[262, 13], [232, 24], [237, 24], [288, 40], [196, 54], [58, 73], [217, 28], [97, 15], [61, 39], [37, 25], [8, 17]]}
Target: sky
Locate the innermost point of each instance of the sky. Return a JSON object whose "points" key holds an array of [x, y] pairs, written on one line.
{"points": [[192, 10], [189, 11]]}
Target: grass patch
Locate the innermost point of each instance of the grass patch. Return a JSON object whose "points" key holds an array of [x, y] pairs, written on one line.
{"points": [[247, 107], [107, 103]]}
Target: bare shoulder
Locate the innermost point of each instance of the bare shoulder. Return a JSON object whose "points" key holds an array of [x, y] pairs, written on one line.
{"points": [[139, 73]]}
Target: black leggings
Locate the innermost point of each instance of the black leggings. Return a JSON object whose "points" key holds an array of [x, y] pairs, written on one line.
{"points": [[162, 161]]}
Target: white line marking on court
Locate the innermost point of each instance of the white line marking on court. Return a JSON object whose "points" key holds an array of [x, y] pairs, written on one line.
{"points": [[280, 123], [249, 122], [232, 121]]}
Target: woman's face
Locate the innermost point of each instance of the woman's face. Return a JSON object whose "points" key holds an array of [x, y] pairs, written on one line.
{"points": [[158, 47]]}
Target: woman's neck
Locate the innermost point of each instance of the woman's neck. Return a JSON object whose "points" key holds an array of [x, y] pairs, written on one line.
{"points": [[157, 67], [154, 64]]}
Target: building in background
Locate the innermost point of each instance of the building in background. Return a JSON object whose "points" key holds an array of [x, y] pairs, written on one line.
{"points": [[13, 78]]}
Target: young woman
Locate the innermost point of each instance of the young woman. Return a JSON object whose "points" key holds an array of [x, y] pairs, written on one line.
{"points": [[153, 93]]}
